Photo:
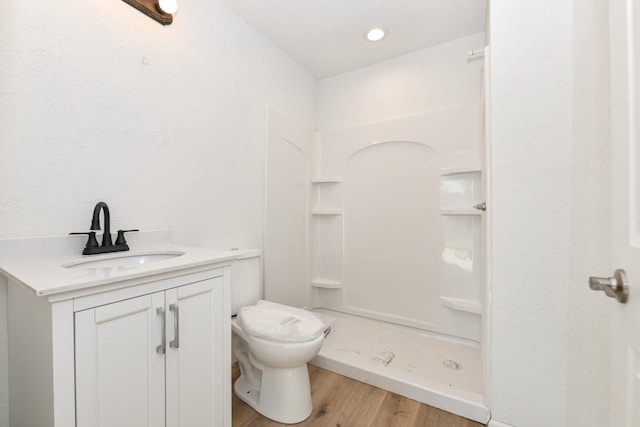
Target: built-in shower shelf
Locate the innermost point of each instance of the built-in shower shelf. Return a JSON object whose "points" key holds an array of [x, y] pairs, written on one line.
{"points": [[327, 212], [336, 179], [462, 304], [457, 171], [326, 284], [459, 211]]}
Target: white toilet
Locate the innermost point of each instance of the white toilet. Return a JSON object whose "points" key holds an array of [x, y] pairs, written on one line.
{"points": [[272, 343]]}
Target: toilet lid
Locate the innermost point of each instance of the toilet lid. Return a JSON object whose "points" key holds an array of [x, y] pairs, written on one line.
{"points": [[277, 322]]}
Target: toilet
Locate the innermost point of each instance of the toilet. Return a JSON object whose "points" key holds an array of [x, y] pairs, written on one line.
{"points": [[272, 343]]}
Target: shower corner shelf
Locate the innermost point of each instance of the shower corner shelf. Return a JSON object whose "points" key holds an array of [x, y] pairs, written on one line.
{"points": [[326, 284], [326, 212], [460, 211], [462, 305], [458, 171], [334, 180]]}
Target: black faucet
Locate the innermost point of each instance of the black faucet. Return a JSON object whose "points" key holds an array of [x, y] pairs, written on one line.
{"points": [[92, 248], [95, 223]]}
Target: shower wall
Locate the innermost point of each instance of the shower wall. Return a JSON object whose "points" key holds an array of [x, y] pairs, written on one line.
{"points": [[371, 214], [289, 145], [400, 240], [431, 79], [397, 168]]}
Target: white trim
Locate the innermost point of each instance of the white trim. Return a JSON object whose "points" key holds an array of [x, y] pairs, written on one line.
{"points": [[335, 180], [460, 304], [460, 171], [494, 423], [326, 283], [487, 304], [63, 364], [265, 202]]}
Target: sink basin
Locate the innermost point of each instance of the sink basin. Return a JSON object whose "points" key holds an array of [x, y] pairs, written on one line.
{"points": [[123, 260]]}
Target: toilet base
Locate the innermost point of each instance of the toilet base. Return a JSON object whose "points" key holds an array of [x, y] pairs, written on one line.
{"points": [[284, 395]]}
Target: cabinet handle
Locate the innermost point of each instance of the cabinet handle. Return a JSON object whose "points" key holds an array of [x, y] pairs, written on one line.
{"points": [[176, 326], [162, 348]]}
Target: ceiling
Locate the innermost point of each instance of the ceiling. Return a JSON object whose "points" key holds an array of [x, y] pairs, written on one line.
{"points": [[327, 36]]}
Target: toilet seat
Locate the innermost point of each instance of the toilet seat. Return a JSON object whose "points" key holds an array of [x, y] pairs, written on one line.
{"points": [[280, 323]]}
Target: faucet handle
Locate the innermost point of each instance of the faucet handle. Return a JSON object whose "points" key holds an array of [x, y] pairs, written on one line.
{"points": [[120, 239], [92, 242]]}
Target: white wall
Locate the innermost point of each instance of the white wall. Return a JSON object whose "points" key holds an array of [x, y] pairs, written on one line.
{"points": [[165, 124], [588, 376], [551, 217], [531, 145], [286, 246], [428, 80]]}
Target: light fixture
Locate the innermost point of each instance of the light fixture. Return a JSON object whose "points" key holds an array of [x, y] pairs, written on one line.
{"points": [[160, 10], [375, 34], [168, 6]]}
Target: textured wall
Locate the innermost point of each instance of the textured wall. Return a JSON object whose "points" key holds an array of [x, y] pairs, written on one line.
{"points": [[590, 313], [550, 348], [531, 143], [166, 124]]}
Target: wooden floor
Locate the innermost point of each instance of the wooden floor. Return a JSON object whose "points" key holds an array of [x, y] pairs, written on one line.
{"points": [[342, 402]]}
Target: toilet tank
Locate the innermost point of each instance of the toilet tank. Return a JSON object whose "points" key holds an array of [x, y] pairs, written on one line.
{"points": [[246, 279]]}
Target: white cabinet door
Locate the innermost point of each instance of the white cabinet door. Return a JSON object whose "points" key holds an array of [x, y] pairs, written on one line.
{"points": [[195, 355], [120, 378]]}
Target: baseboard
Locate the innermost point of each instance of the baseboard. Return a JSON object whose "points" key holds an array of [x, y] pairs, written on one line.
{"points": [[494, 423]]}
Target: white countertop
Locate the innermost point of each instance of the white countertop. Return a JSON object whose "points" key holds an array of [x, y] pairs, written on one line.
{"points": [[37, 263]]}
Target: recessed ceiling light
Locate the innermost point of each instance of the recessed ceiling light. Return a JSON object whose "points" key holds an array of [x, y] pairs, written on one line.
{"points": [[375, 34]]}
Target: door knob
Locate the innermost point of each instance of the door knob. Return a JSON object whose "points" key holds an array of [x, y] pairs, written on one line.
{"points": [[614, 287]]}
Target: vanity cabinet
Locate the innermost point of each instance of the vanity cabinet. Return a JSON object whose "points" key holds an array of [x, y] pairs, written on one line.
{"points": [[145, 358], [141, 353]]}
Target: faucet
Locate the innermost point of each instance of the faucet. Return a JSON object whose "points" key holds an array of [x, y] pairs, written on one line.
{"points": [[95, 223], [92, 248]]}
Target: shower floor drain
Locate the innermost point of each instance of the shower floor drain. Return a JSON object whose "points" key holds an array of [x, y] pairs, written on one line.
{"points": [[452, 364]]}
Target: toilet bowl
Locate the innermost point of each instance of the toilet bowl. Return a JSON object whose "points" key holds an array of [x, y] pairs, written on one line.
{"points": [[273, 344]]}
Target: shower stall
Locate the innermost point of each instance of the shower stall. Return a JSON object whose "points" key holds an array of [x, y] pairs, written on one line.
{"points": [[381, 227]]}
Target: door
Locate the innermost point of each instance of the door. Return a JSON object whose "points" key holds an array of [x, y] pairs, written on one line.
{"points": [[119, 373], [195, 355], [625, 123]]}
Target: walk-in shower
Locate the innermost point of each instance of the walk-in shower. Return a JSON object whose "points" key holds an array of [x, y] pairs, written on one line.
{"points": [[380, 227]]}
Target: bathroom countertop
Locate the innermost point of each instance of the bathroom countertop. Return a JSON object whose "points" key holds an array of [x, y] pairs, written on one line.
{"points": [[45, 275]]}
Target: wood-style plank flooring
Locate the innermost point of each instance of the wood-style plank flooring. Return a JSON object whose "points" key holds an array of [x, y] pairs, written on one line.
{"points": [[342, 402]]}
